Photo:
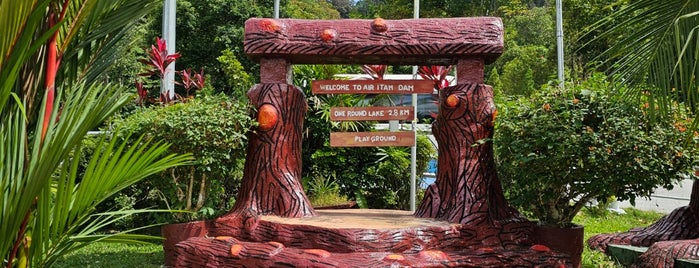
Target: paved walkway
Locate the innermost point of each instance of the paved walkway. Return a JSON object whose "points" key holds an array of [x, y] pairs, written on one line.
{"points": [[665, 201]]}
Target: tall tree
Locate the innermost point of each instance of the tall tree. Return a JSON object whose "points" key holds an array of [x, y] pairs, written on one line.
{"points": [[310, 9], [342, 6]]}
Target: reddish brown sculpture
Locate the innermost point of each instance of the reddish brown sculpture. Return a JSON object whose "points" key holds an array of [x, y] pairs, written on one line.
{"points": [[464, 221], [467, 189], [673, 236], [406, 42], [272, 177]]}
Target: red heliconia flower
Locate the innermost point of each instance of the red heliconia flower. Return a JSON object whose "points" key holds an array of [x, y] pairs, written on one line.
{"points": [[158, 59], [438, 74], [375, 71]]}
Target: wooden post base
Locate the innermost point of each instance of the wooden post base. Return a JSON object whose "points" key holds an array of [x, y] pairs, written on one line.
{"points": [[354, 238]]}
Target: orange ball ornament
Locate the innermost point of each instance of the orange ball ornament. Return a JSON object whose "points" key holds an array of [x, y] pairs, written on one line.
{"points": [[452, 101], [236, 250], [379, 25], [267, 117], [270, 25], [328, 35]]}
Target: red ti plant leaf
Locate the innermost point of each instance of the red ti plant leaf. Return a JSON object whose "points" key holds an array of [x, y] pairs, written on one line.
{"points": [[142, 93], [199, 79], [375, 71], [158, 59], [186, 77], [438, 75], [165, 98], [190, 81]]}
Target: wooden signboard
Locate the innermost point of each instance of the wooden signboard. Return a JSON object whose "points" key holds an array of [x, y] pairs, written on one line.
{"points": [[372, 139], [372, 87], [372, 113]]}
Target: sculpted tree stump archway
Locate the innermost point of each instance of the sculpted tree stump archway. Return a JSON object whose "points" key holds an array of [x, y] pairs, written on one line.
{"points": [[464, 221], [674, 236]]}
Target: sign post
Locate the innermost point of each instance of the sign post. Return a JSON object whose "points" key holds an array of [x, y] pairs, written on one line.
{"points": [[372, 139]]}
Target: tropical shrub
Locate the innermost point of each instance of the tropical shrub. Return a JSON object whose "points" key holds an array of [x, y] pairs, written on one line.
{"points": [[559, 149], [380, 176], [324, 191], [236, 76], [213, 129]]}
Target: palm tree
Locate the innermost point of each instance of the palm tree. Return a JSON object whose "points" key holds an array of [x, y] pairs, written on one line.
{"points": [[52, 53], [656, 51]]}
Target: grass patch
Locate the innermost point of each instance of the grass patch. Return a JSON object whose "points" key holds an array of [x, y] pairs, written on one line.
{"points": [[119, 255], [114, 255], [597, 222]]}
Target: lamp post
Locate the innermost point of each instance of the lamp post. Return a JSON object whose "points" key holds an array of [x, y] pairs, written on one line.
{"points": [[167, 87], [559, 42], [413, 149]]}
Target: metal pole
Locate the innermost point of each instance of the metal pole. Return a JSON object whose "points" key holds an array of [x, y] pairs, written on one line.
{"points": [[169, 15], [276, 9], [559, 41], [413, 149]]}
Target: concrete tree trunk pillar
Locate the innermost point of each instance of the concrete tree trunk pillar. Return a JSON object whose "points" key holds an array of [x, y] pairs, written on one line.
{"points": [[467, 189], [272, 176]]}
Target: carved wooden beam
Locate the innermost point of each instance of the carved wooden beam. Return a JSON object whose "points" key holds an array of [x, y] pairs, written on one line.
{"points": [[403, 42]]}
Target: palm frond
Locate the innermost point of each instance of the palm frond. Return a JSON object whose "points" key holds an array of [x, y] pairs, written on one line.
{"points": [[67, 210], [12, 149], [656, 44], [87, 32], [99, 33], [19, 39]]}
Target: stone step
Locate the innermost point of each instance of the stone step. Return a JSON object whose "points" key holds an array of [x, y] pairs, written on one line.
{"points": [[625, 254]]}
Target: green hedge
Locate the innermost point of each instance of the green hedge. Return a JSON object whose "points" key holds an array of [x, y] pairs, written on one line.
{"points": [[559, 149], [213, 129]]}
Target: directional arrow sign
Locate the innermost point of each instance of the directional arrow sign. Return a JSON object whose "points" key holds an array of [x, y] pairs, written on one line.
{"points": [[372, 87], [372, 139], [372, 113]]}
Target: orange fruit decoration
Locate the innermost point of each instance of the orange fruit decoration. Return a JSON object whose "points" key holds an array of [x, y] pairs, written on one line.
{"points": [[452, 101], [267, 117], [236, 249], [317, 252], [540, 248], [328, 35], [546, 107], [379, 25], [270, 25]]}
